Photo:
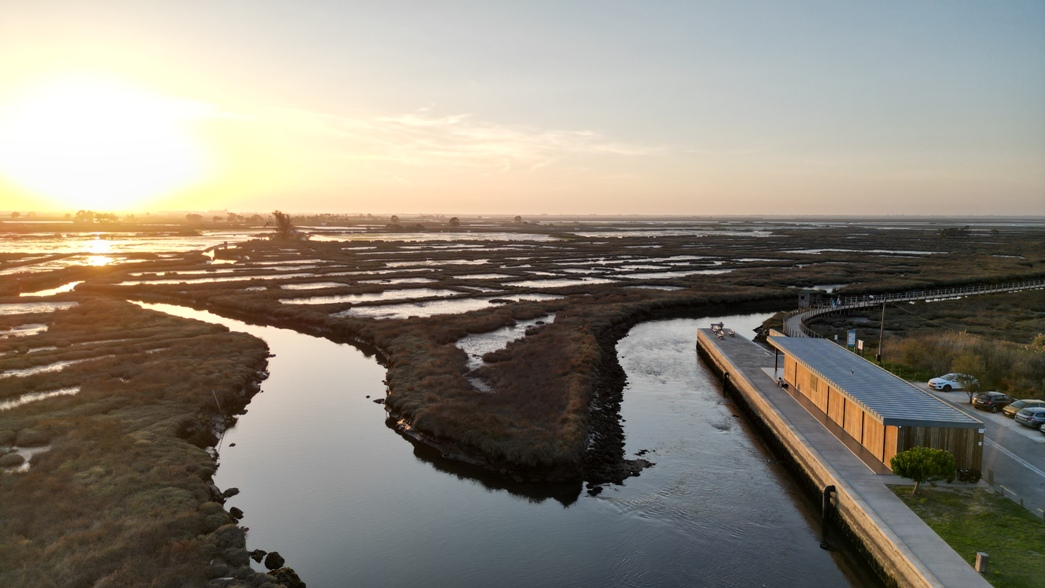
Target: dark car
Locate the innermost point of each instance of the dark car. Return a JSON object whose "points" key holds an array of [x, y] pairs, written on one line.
{"points": [[1011, 410], [992, 401], [1031, 417]]}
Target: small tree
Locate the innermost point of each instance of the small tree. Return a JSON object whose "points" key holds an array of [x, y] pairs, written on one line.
{"points": [[970, 366], [924, 464], [455, 222], [284, 226], [395, 220]]}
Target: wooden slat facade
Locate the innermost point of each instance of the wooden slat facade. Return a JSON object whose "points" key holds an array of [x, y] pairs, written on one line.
{"points": [[819, 396], [882, 441], [891, 434], [965, 444], [854, 420], [836, 407], [874, 437]]}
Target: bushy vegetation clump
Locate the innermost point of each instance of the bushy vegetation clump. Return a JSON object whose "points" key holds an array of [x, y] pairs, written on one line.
{"points": [[997, 365], [996, 338], [924, 464]]}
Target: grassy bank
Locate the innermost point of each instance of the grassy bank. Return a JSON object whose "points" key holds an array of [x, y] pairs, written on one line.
{"points": [[120, 493], [975, 519]]}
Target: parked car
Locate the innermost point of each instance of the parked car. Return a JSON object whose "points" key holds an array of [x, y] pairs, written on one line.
{"points": [[1011, 410], [948, 382], [992, 401], [1031, 417]]}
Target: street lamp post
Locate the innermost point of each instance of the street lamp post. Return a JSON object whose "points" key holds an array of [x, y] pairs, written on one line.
{"points": [[881, 333]]}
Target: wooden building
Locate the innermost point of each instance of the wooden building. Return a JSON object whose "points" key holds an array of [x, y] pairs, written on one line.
{"points": [[882, 412]]}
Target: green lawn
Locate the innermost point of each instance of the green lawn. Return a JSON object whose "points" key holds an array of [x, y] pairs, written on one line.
{"points": [[975, 519]]}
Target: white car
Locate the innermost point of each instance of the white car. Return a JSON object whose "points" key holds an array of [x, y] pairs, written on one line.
{"points": [[948, 382]]}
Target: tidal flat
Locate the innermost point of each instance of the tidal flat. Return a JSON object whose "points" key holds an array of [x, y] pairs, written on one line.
{"points": [[552, 411]]}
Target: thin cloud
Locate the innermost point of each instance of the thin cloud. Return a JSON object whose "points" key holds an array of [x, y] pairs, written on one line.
{"points": [[421, 139]]}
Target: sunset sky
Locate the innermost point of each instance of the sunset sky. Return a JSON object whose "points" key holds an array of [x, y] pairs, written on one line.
{"points": [[693, 108]]}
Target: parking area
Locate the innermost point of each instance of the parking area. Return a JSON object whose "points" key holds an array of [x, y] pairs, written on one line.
{"points": [[961, 400]]}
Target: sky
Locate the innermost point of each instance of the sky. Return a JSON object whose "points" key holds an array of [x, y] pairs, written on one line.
{"points": [[566, 107]]}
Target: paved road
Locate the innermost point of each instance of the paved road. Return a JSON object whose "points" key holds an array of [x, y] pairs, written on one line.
{"points": [[1016, 454]]}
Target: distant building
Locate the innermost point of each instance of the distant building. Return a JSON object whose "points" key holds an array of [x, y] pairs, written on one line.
{"points": [[883, 413], [807, 298]]}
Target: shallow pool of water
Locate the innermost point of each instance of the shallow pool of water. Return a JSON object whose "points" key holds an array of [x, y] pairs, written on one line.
{"points": [[52, 291], [435, 307], [394, 281], [34, 307], [406, 294], [669, 275], [479, 344], [435, 262], [26, 330], [41, 369], [313, 286], [482, 276], [559, 283], [237, 278], [38, 396]]}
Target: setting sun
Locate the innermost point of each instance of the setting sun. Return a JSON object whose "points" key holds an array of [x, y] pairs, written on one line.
{"points": [[97, 144]]}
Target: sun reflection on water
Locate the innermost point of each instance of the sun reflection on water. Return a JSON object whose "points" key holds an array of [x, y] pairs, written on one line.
{"points": [[98, 252]]}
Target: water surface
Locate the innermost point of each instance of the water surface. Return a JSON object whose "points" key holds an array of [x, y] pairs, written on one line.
{"points": [[350, 503]]}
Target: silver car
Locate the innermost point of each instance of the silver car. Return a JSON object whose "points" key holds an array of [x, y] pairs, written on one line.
{"points": [[1031, 417]]}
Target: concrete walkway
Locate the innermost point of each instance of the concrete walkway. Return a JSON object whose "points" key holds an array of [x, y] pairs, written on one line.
{"points": [[891, 529]]}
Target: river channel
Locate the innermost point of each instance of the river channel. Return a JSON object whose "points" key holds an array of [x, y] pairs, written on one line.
{"points": [[348, 502]]}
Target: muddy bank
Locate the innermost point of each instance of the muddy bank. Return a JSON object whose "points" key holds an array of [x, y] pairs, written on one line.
{"points": [[605, 461]]}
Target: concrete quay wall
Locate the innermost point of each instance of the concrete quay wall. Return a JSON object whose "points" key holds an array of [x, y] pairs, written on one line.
{"points": [[914, 557]]}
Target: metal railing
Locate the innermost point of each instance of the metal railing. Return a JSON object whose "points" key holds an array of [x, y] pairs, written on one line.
{"points": [[794, 321]]}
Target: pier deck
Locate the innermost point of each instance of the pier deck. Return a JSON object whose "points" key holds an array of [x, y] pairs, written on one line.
{"points": [[905, 547]]}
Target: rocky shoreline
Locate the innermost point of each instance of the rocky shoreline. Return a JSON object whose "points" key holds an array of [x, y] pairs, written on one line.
{"points": [[231, 567]]}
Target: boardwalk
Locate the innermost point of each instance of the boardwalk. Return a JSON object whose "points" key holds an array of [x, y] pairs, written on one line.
{"points": [[794, 322]]}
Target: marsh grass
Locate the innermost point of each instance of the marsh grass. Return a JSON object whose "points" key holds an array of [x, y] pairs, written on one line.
{"points": [[543, 384], [123, 498], [975, 519], [120, 498]]}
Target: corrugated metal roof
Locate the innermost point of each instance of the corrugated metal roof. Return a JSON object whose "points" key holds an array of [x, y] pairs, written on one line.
{"points": [[892, 400]]}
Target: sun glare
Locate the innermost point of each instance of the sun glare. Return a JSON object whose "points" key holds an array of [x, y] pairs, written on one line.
{"points": [[99, 145]]}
